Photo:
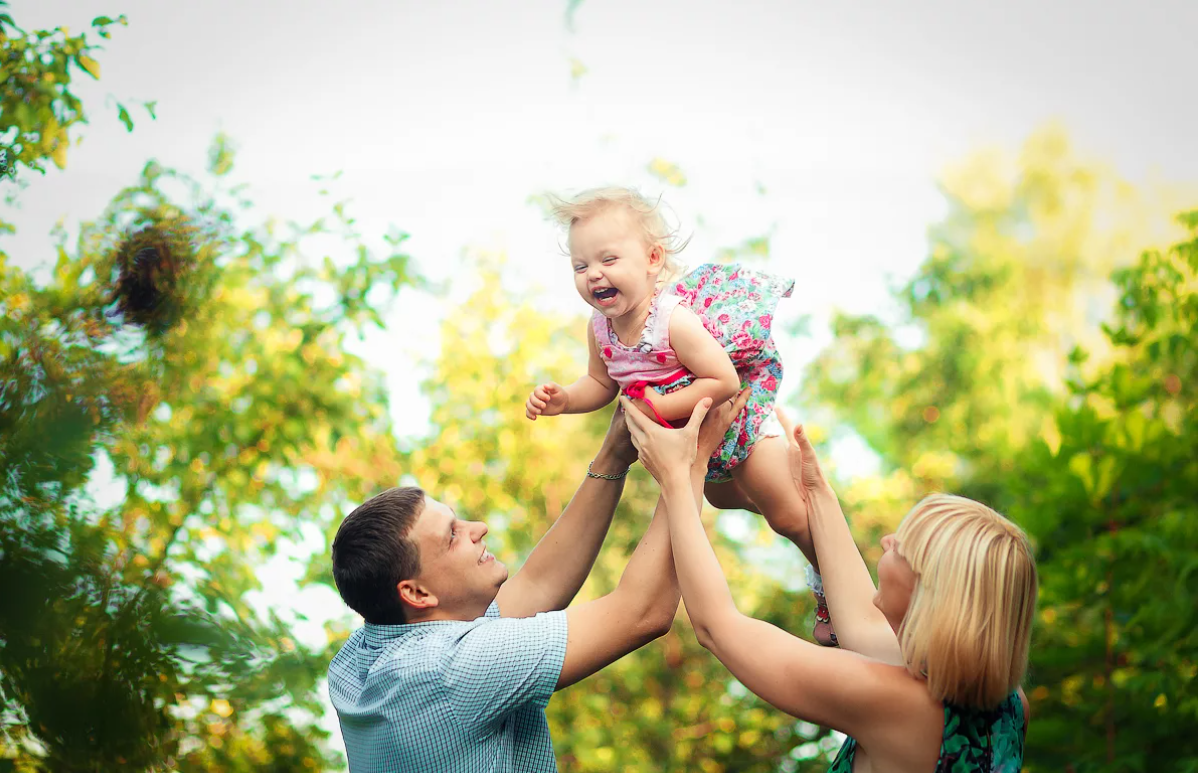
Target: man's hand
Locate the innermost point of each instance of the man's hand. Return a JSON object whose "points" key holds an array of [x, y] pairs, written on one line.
{"points": [[617, 443], [547, 400]]}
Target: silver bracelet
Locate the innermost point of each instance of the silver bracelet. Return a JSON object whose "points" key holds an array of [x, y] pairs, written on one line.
{"points": [[604, 475]]}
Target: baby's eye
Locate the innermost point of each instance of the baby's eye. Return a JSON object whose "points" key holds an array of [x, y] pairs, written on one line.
{"points": [[579, 269], [610, 259]]}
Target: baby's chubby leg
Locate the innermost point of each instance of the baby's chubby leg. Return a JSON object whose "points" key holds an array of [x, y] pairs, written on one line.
{"points": [[764, 477], [728, 496]]}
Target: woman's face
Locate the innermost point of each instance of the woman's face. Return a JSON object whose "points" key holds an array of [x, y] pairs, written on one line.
{"points": [[896, 582]]}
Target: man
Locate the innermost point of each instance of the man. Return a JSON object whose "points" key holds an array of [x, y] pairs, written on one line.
{"points": [[455, 664]]}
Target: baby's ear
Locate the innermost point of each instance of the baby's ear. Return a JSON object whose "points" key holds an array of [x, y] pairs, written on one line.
{"points": [[657, 257]]}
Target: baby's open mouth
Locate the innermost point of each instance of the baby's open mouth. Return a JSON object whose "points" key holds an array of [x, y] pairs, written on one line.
{"points": [[606, 293]]}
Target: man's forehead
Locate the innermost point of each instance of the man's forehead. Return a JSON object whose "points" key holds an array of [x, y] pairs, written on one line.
{"points": [[434, 518]]}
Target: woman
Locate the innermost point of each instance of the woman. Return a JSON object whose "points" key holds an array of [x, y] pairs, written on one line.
{"points": [[928, 670]]}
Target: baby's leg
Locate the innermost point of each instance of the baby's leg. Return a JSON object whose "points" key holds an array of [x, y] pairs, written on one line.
{"points": [[729, 496], [765, 478]]}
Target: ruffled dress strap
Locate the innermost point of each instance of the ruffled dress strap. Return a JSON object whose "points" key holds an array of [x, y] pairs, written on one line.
{"points": [[657, 326]]}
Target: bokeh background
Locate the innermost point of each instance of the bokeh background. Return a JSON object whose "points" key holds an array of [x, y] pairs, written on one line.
{"points": [[261, 260]]}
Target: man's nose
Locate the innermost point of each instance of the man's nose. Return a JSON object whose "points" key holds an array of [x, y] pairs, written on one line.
{"points": [[480, 530]]}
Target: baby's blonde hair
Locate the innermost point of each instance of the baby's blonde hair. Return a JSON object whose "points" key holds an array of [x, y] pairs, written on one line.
{"points": [[647, 215], [969, 623]]}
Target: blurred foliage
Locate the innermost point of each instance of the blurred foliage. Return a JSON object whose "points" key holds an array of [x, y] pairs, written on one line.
{"points": [[38, 109], [668, 172], [195, 370], [1008, 376]]}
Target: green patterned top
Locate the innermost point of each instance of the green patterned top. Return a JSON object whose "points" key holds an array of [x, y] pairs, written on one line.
{"points": [[975, 741]]}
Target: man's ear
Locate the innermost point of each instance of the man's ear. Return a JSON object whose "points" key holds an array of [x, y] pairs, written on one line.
{"points": [[416, 595]]}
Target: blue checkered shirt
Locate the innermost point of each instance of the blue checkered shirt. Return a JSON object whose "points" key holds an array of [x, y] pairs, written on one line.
{"points": [[450, 695]]}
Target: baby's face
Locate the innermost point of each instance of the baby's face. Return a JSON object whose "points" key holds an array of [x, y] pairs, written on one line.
{"points": [[614, 269]]}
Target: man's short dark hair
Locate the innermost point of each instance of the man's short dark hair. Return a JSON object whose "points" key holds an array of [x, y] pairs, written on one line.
{"points": [[372, 554]]}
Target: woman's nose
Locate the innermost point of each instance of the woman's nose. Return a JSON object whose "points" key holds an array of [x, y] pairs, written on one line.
{"points": [[888, 542], [480, 530]]}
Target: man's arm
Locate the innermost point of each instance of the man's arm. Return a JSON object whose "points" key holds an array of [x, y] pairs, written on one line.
{"points": [[561, 561]]}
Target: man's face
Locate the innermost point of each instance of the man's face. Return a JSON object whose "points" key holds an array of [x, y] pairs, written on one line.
{"points": [[455, 565]]}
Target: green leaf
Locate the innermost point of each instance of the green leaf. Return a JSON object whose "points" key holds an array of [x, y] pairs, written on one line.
{"points": [[125, 119], [89, 65]]}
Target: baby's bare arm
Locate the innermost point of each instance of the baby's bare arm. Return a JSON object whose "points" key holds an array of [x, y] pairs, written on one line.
{"points": [[703, 356], [594, 390]]}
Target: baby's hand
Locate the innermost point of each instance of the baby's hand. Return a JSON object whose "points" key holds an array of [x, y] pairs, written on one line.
{"points": [[546, 400]]}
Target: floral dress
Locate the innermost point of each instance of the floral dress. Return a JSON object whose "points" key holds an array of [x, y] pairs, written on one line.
{"points": [[975, 741], [736, 305]]}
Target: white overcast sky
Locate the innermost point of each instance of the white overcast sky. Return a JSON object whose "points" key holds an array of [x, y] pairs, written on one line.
{"points": [[446, 116]]}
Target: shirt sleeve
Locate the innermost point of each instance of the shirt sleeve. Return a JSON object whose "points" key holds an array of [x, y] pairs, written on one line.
{"points": [[502, 664]]}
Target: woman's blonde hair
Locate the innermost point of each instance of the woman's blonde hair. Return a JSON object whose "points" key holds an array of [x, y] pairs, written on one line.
{"points": [[647, 215], [969, 623]]}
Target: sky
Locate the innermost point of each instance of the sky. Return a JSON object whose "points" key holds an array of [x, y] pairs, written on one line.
{"points": [[444, 118]]}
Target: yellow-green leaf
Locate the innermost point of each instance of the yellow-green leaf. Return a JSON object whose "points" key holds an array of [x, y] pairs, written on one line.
{"points": [[90, 65]]}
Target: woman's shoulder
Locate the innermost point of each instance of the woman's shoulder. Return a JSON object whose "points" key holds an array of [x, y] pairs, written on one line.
{"points": [[906, 723], [897, 698]]}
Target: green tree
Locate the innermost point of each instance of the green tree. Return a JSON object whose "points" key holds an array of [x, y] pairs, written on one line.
{"points": [[999, 380], [38, 109], [205, 362], [202, 362], [1114, 507]]}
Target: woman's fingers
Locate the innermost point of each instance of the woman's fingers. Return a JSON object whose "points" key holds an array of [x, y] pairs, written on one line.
{"points": [[804, 443], [809, 469], [632, 414], [697, 415], [788, 426], [634, 420]]}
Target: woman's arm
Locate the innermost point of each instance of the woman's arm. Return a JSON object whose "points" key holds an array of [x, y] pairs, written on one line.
{"points": [[645, 601], [830, 687], [860, 626], [703, 356]]}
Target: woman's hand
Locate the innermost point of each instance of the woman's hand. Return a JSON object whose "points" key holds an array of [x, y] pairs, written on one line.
{"points": [[718, 420], [665, 452], [804, 466]]}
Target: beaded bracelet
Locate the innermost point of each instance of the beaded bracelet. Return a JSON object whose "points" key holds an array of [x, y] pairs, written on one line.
{"points": [[604, 475]]}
